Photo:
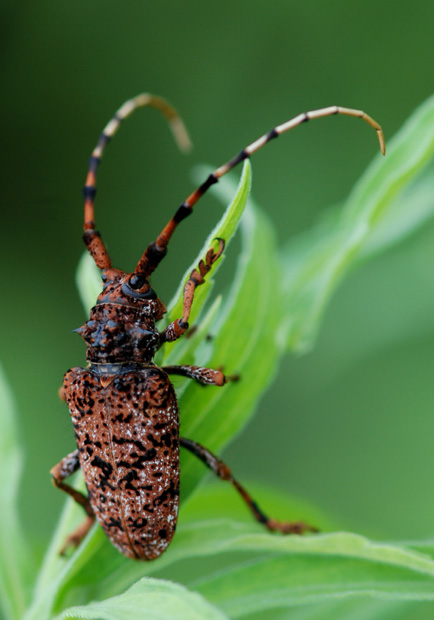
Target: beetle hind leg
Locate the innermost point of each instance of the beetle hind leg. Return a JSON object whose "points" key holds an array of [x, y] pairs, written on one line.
{"points": [[75, 538], [65, 468], [224, 473]]}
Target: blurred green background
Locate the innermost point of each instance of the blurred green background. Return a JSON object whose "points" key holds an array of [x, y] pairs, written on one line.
{"points": [[348, 427]]}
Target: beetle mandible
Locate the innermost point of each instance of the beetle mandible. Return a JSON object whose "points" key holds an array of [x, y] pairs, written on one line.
{"points": [[124, 408]]}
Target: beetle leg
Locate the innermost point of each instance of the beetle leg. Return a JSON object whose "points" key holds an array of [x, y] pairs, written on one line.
{"points": [[223, 472], [205, 376], [197, 277], [74, 539], [62, 394], [65, 468]]}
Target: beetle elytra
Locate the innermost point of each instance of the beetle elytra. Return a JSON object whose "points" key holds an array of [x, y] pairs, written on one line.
{"points": [[123, 407]]}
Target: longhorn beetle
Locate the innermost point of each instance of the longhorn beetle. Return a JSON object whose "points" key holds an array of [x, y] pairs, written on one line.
{"points": [[123, 407]]}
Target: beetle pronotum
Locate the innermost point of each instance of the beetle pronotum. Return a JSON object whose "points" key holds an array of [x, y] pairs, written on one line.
{"points": [[124, 408]]}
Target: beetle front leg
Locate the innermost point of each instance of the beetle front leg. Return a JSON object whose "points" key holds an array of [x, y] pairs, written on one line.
{"points": [[224, 473], [59, 473], [197, 277]]}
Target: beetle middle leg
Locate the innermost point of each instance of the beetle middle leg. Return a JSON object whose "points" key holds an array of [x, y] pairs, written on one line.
{"points": [[65, 468], [205, 376], [224, 473]]}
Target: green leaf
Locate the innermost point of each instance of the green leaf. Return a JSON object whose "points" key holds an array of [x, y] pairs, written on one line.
{"points": [[15, 554], [408, 212], [57, 573], [346, 609], [149, 599], [286, 581], [88, 280], [392, 199]]}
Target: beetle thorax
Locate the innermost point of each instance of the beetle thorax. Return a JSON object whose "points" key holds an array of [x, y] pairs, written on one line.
{"points": [[120, 334]]}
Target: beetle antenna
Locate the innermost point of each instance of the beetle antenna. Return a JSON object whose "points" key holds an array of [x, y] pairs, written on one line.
{"points": [[156, 251], [92, 237]]}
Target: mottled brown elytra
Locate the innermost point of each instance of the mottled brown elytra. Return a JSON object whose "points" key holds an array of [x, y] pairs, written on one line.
{"points": [[123, 407]]}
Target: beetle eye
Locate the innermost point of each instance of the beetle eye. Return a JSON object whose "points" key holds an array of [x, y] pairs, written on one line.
{"points": [[136, 282], [138, 287]]}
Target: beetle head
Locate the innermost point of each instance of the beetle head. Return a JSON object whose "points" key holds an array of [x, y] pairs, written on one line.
{"points": [[130, 289]]}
